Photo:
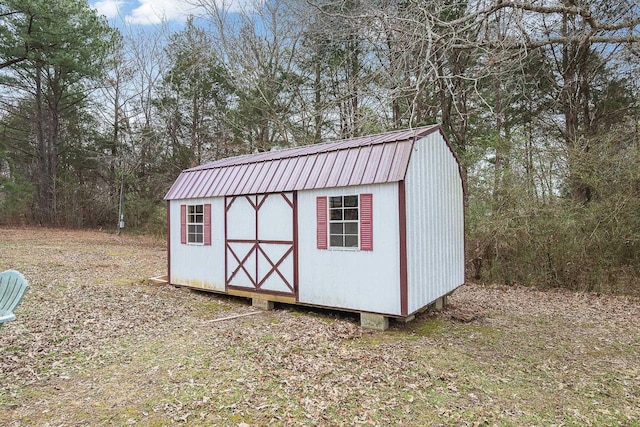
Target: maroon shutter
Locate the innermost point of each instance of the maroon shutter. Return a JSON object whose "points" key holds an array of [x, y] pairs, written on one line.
{"points": [[183, 224], [207, 224], [366, 222], [321, 217]]}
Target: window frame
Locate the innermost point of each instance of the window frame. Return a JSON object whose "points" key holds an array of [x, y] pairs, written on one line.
{"points": [[197, 224], [343, 221]]}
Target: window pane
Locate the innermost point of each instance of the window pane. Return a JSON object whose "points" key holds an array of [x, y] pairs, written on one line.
{"points": [[199, 219], [351, 241], [336, 228], [336, 214], [351, 214], [336, 241], [350, 201], [351, 228], [335, 202], [192, 209], [192, 229], [198, 238], [200, 208]]}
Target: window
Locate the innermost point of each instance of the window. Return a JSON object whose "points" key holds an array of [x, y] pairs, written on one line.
{"points": [[343, 221], [195, 223]]}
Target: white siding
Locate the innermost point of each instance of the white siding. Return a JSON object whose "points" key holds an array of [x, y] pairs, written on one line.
{"points": [[352, 279], [435, 222], [198, 266]]}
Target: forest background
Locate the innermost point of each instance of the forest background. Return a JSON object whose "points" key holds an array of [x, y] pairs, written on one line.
{"points": [[539, 99]]}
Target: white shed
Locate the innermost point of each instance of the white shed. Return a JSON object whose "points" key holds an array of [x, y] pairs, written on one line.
{"points": [[372, 224]]}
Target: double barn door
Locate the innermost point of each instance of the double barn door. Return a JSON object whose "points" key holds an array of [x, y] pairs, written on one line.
{"points": [[260, 248]]}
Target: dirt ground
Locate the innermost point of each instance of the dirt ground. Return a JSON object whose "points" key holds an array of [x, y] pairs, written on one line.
{"points": [[95, 343]]}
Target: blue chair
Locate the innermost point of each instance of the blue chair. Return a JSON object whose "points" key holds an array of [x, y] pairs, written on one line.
{"points": [[12, 288]]}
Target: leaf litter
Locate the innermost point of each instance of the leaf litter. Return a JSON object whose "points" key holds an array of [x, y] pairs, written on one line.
{"points": [[96, 344]]}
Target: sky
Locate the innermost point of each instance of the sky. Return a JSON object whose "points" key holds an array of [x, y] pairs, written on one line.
{"points": [[150, 12]]}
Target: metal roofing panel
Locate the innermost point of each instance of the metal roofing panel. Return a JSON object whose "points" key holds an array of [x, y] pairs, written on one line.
{"points": [[347, 169], [315, 171], [286, 172], [307, 173], [326, 170], [386, 162], [184, 187], [230, 174], [360, 166], [215, 175], [371, 168], [401, 161], [295, 175], [269, 175], [361, 160], [200, 184], [185, 190], [260, 177], [246, 180], [337, 168], [276, 173], [306, 163]]}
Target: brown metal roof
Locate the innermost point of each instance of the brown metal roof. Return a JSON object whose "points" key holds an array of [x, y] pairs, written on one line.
{"points": [[356, 161]]}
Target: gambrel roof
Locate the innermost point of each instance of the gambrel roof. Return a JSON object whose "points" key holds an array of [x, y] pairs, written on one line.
{"points": [[363, 160]]}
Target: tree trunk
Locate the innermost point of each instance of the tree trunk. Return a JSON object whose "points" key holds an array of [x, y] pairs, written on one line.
{"points": [[44, 208]]}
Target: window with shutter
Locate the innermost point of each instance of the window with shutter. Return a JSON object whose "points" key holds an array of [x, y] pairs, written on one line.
{"points": [[345, 222], [195, 224]]}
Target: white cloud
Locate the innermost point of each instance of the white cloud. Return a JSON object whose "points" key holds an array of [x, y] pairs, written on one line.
{"points": [[156, 11], [108, 8]]}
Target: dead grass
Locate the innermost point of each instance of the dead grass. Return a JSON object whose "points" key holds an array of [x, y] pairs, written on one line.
{"points": [[95, 345]]}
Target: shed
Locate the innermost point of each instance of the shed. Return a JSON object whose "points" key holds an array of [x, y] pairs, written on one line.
{"points": [[372, 224]]}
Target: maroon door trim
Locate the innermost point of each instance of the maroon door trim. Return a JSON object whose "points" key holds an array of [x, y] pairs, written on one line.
{"points": [[256, 250]]}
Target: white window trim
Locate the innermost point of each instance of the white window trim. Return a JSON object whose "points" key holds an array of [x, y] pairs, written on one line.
{"points": [[329, 222], [195, 223]]}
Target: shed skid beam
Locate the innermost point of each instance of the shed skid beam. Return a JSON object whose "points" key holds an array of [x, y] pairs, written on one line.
{"points": [[377, 322]]}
